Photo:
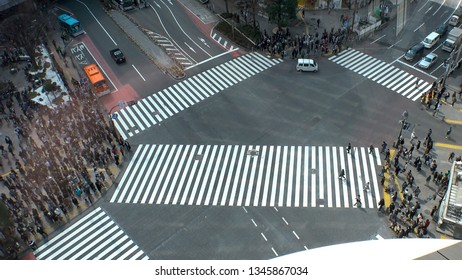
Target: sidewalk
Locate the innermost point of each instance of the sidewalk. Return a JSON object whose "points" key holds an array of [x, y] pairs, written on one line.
{"points": [[35, 202]]}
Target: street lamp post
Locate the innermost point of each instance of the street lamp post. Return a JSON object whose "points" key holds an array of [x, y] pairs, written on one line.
{"points": [[403, 123]]}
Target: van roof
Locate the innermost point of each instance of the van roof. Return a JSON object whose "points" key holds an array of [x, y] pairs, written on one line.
{"points": [[305, 60]]}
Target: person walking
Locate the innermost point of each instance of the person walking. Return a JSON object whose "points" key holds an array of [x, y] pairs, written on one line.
{"points": [[451, 157], [371, 149], [366, 187], [454, 99], [384, 147], [448, 132], [417, 191], [348, 148], [381, 204], [358, 201], [416, 83], [342, 174], [434, 209]]}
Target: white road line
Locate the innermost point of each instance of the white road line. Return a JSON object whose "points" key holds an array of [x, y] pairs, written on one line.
{"points": [[419, 27], [264, 237], [313, 176], [394, 44], [254, 223], [284, 219], [229, 177], [444, 1], [378, 39], [104, 29], [274, 251], [138, 73], [267, 176], [305, 178], [275, 176], [296, 235], [100, 67]]}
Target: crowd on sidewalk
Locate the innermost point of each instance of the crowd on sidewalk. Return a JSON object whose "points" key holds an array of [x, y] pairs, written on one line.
{"points": [[404, 212], [54, 161]]}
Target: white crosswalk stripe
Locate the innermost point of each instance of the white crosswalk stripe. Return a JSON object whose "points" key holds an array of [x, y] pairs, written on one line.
{"points": [[237, 175], [158, 107], [382, 73], [94, 237], [170, 48], [223, 42]]}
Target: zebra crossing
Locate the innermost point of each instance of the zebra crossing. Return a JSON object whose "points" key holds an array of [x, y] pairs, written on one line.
{"points": [[382, 73], [240, 175], [223, 42], [170, 48], [158, 107], [94, 237]]}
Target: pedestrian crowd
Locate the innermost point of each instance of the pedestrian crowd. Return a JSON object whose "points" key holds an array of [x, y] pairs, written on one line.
{"points": [[58, 163], [301, 46], [403, 211], [435, 95]]}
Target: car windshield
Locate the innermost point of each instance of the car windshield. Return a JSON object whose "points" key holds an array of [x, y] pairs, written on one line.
{"points": [[117, 53], [428, 59]]}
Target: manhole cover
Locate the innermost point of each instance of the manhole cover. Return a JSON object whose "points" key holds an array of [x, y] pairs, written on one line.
{"points": [[155, 113], [313, 170], [320, 201], [198, 157]]}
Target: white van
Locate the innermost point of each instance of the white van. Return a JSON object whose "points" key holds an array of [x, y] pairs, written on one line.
{"points": [[431, 40], [307, 65]]}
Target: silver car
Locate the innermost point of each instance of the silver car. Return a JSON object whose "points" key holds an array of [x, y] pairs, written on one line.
{"points": [[428, 61]]}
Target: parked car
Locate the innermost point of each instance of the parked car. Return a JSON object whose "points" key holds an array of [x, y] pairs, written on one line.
{"points": [[442, 29], [428, 61], [117, 55]]}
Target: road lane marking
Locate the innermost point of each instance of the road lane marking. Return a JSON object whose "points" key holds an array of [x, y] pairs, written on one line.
{"points": [[391, 46], [453, 121], [449, 146], [284, 219], [419, 27], [185, 32], [378, 39], [417, 69], [439, 7], [138, 73], [104, 29], [264, 237], [274, 251], [296, 235]]}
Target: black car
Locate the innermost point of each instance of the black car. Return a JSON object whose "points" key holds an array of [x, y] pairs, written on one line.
{"points": [[117, 55], [442, 29]]}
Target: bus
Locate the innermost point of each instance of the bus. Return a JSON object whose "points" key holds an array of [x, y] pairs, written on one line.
{"points": [[97, 80], [70, 25], [124, 5]]}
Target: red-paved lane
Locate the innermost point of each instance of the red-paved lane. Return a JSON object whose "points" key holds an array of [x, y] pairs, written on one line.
{"points": [[124, 92], [206, 29]]}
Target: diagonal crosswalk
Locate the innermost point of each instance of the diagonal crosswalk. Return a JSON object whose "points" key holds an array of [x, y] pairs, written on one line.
{"points": [[164, 104], [240, 175], [382, 73], [94, 237]]}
